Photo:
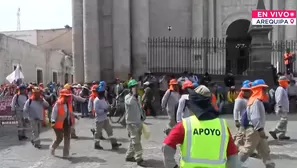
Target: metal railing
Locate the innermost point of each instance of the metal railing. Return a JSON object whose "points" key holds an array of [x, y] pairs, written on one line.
{"points": [[175, 55], [277, 55], [198, 55]]}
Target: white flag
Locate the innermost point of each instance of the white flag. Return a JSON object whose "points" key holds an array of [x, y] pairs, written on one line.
{"points": [[15, 75]]}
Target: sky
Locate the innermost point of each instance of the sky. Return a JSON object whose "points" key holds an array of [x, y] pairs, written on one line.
{"points": [[35, 14]]}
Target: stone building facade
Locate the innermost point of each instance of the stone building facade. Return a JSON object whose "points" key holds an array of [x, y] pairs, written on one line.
{"points": [[52, 39], [38, 65], [121, 29]]}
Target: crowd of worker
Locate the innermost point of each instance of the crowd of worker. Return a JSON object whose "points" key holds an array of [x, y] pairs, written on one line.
{"points": [[193, 107]]}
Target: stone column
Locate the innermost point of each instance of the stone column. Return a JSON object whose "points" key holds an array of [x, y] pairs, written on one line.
{"points": [[281, 29], [121, 38], [197, 18], [140, 35], [275, 28], [290, 31], [206, 33], [91, 40], [211, 18], [77, 40]]}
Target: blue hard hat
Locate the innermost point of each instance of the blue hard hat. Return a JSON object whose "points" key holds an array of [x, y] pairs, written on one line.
{"points": [[103, 83], [100, 88], [246, 87], [195, 84], [22, 86], [259, 83], [246, 82]]}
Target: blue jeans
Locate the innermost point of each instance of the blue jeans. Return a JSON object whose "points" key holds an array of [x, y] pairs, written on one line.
{"points": [[84, 109]]}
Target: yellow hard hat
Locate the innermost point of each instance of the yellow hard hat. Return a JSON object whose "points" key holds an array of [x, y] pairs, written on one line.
{"points": [[67, 86]]}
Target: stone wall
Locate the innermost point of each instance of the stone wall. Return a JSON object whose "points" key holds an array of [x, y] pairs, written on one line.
{"points": [[31, 58], [55, 39]]}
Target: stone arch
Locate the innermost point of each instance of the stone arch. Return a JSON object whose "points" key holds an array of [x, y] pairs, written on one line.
{"points": [[245, 15], [237, 46]]}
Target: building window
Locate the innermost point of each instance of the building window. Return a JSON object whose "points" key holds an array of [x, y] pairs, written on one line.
{"points": [[66, 77], [39, 76], [55, 77]]}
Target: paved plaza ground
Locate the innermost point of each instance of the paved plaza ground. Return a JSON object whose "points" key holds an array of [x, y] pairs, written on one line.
{"points": [[15, 154]]}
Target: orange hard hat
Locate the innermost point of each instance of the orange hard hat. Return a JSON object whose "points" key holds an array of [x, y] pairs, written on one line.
{"points": [[65, 92], [187, 84], [173, 82], [94, 87]]}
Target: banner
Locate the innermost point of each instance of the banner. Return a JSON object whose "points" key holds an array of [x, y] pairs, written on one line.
{"points": [[274, 17]]}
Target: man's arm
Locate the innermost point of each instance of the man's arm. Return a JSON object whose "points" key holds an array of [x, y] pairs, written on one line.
{"points": [[175, 137], [180, 109], [232, 153], [54, 113]]}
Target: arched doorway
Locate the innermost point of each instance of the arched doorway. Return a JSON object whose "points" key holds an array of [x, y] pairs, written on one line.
{"points": [[237, 46]]}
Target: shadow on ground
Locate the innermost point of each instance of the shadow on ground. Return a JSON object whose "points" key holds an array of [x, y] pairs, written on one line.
{"points": [[84, 138], [282, 142], [154, 163], [47, 146], [118, 127], [119, 151]]}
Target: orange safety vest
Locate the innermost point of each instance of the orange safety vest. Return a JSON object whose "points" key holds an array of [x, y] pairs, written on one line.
{"points": [[287, 56], [214, 102], [61, 116]]}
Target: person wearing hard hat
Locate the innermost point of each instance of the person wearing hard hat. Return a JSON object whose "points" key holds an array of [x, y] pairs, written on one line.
{"points": [[148, 99], [195, 84], [78, 99], [101, 108], [33, 110], [92, 97], [182, 109], [281, 109], [170, 102], [134, 117], [17, 106], [61, 120], [204, 138], [91, 109], [253, 120], [240, 106]]}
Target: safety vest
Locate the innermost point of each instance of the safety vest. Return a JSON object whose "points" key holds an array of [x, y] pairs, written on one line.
{"points": [[214, 102], [205, 143], [61, 116]]}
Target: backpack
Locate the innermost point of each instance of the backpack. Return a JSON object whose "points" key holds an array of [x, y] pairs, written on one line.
{"points": [[17, 100]]}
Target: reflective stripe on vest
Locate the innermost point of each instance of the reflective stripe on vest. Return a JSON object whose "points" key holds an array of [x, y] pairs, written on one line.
{"points": [[186, 152]]}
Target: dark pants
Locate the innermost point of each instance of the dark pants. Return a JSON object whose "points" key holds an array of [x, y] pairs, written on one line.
{"points": [[63, 134], [161, 93], [84, 109], [289, 68], [148, 106]]}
